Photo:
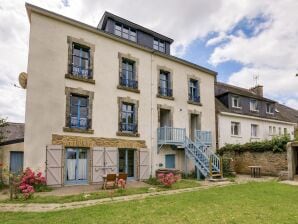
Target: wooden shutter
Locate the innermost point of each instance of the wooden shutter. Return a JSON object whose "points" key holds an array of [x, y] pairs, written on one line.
{"points": [[54, 164], [97, 168], [144, 169], [111, 160]]}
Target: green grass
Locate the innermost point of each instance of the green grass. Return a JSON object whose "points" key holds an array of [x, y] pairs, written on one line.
{"points": [[268, 202], [103, 194]]}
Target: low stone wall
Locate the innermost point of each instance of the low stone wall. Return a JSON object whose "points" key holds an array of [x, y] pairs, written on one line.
{"points": [[272, 163]]}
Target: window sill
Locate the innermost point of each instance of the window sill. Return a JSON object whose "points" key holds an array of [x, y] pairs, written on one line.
{"points": [[70, 76], [165, 97], [256, 138], [127, 134], [236, 136], [78, 130], [194, 103], [239, 108], [128, 89]]}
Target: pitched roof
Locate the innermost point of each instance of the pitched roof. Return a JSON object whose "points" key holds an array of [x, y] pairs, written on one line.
{"points": [[13, 132], [223, 88]]}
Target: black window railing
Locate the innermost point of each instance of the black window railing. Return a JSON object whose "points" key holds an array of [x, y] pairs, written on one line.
{"points": [[194, 98], [165, 91], [129, 127], [80, 72], [131, 83], [82, 123]]}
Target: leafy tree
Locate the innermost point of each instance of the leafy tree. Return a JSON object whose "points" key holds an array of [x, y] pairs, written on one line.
{"points": [[3, 123]]}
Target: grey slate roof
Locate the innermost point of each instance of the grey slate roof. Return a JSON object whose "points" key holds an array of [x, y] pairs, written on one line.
{"points": [[13, 132]]}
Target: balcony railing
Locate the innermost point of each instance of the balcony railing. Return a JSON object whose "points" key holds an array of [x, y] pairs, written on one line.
{"points": [[128, 127], [82, 123], [193, 98], [169, 135], [131, 83], [80, 72], [204, 137], [165, 91]]}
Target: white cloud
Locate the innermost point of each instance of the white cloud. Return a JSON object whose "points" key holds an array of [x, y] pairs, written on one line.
{"points": [[273, 48]]}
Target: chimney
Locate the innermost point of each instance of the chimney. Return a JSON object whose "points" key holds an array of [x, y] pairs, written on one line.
{"points": [[258, 90]]}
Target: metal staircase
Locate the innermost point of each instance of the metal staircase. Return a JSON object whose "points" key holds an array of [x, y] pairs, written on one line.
{"points": [[205, 160]]}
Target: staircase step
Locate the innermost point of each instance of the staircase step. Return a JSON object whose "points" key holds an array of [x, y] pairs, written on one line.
{"points": [[217, 179], [216, 175]]}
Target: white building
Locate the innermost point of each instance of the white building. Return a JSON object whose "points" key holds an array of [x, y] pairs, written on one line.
{"points": [[244, 115]]}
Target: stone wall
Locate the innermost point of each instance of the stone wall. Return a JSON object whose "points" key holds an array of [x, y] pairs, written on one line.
{"points": [[271, 163]]}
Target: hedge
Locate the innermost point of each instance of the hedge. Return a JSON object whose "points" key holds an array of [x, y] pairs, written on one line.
{"points": [[277, 144]]}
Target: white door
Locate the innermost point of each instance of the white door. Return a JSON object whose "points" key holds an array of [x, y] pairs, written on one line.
{"points": [[54, 164]]}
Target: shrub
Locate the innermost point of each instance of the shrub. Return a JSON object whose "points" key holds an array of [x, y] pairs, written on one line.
{"points": [[152, 181], [167, 179], [276, 144], [31, 182]]}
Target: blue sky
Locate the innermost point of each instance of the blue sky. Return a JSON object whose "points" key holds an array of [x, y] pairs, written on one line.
{"points": [[238, 39]]}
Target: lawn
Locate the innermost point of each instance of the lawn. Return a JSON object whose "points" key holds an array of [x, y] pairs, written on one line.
{"points": [[105, 194], [267, 202]]}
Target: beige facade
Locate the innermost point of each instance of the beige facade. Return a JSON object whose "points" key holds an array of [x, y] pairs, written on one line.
{"points": [[46, 90]]}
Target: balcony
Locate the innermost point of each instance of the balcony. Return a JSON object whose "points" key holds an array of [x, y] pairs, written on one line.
{"points": [[204, 137], [170, 136]]}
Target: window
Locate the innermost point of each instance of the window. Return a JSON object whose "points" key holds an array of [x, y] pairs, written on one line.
{"points": [[253, 104], [274, 130], [279, 131], [159, 45], [128, 76], [270, 130], [193, 94], [78, 112], [285, 131], [235, 102], [254, 130], [128, 118], [125, 32], [164, 84], [235, 128], [269, 108], [80, 61]]}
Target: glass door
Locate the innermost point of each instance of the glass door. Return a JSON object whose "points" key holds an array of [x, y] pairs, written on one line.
{"points": [[127, 162], [76, 166]]}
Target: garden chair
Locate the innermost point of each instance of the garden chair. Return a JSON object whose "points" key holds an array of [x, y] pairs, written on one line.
{"points": [[122, 176], [110, 181]]}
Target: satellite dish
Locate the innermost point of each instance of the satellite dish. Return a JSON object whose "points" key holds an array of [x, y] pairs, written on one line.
{"points": [[23, 79]]}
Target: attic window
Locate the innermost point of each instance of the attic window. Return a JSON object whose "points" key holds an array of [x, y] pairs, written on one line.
{"points": [[269, 108], [125, 32], [159, 45]]}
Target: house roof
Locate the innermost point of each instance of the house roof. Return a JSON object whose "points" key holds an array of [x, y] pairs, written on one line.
{"points": [[107, 15], [223, 88], [283, 113], [13, 133], [32, 8]]}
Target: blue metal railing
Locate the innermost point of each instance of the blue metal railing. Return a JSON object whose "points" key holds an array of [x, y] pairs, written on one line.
{"points": [[169, 135], [129, 127], [204, 136], [131, 83], [76, 122], [194, 98], [165, 91]]}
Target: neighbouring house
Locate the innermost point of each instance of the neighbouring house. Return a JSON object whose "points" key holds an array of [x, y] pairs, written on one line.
{"points": [[112, 98], [245, 115], [12, 149]]}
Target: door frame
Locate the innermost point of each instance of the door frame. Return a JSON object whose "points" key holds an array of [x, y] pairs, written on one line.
{"points": [[126, 161], [76, 182]]}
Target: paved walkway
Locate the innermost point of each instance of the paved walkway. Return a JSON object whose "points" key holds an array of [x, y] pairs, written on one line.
{"points": [[37, 207]]}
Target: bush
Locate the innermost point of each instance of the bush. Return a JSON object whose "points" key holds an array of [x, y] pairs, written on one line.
{"points": [[31, 182], [167, 180], [276, 144], [152, 181]]}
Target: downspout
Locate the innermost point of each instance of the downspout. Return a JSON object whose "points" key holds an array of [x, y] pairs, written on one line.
{"points": [[151, 123]]}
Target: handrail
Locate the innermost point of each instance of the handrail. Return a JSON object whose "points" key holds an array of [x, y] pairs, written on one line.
{"points": [[204, 136], [168, 135]]}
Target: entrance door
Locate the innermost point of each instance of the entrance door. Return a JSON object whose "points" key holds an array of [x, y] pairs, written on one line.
{"points": [[16, 162], [76, 166], [127, 162], [165, 118], [194, 125], [170, 161]]}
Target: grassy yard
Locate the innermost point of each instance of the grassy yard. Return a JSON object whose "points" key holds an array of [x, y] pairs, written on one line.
{"points": [[268, 202], [104, 194]]}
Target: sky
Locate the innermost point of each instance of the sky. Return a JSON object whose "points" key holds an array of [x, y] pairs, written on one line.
{"points": [[240, 39]]}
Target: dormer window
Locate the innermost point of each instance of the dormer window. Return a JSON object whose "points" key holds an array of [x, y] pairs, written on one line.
{"points": [[125, 32], [159, 45], [269, 108], [236, 102], [253, 105]]}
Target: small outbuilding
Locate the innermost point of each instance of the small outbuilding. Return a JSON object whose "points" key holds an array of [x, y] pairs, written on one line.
{"points": [[292, 150]]}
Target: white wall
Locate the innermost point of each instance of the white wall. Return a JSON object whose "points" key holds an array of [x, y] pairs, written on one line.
{"points": [[224, 129]]}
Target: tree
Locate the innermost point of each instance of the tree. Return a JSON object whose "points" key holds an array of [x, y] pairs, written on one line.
{"points": [[3, 123]]}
